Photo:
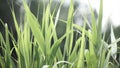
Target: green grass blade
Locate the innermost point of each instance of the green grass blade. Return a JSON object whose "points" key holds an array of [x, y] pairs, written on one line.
{"points": [[35, 27], [16, 23], [55, 47], [106, 63], [100, 20], [87, 56], [94, 27], [69, 27], [114, 46], [74, 55], [7, 48], [80, 63]]}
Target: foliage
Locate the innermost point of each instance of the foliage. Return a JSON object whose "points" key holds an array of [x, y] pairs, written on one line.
{"points": [[38, 46]]}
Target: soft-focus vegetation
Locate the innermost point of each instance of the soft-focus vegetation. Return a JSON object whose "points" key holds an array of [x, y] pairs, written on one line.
{"points": [[38, 45]]}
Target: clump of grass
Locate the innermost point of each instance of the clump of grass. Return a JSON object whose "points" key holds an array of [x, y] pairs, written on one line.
{"points": [[35, 47]]}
